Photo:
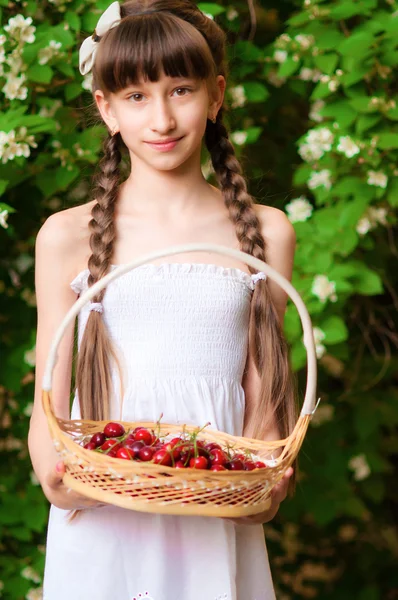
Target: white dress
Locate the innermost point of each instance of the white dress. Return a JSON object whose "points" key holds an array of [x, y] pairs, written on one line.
{"points": [[182, 330]]}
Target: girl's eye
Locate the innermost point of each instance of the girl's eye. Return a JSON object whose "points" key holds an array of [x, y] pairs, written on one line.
{"points": [[177, 89]]}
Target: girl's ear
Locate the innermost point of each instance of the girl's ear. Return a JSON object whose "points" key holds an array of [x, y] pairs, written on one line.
{"points": [[217, 96], [105, 108]]}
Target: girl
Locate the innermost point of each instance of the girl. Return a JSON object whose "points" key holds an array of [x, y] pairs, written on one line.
{"points": [[181, 337]]}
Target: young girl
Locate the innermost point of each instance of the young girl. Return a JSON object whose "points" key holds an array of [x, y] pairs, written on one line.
{"points": [[198, 338]]}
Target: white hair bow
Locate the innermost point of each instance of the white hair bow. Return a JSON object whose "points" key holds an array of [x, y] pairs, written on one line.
{"points": [[110, 18]]}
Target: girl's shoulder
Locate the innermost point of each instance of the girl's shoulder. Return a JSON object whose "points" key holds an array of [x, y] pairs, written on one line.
{"points": [[275, 225], [66, 233]]}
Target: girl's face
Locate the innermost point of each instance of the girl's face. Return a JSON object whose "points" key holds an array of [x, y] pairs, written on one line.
{"points": [[156, 111]]}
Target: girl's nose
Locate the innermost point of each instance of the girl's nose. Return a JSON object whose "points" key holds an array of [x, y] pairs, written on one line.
{"points": [[162, 118]]}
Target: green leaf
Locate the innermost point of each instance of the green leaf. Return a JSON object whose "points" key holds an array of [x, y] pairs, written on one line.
{"points": [[341, 111], [352, 211], [3, 186], [72, 90], [327, 63], [347, 242], [255, 91], [387, 141], [356, 45], [392, 193], [288, 67], [335, 330], [40, 73], [210, 8], [362, 104], [320, 91], [368, 282], [365, 122], [51, 182], [73, 19], [253, 133]]}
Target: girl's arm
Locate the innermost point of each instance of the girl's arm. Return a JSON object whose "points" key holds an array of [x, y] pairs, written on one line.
{"points": [[280, 239], [54, 298]]}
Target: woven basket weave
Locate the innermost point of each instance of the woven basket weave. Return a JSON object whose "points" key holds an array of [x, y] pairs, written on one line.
{"points": [[155, 488]]}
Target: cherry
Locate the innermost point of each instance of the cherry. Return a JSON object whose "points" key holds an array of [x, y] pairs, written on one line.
{"points": [[146, 453], [212, 446], [179, 465], [260, 465], [162, 457], [144, 435], [112, 453], [235, 465], [125, 453], [112, 430], [218, 457], [98, 439], [198, 462], [135, 447], [217, 468], [90, 446], [249, 465], [110, 443]]}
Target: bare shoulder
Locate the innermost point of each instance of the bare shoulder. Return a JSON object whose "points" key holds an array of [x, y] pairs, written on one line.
{"points": [[275, 225], [65, 233]]}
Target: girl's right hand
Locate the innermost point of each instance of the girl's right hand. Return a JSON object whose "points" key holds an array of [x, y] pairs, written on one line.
{"points": [[62, 496]]}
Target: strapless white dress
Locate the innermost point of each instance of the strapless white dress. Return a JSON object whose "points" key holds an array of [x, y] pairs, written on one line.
{"points": [[181, 330]]}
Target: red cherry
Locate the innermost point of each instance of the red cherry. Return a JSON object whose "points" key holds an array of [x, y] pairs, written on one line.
{"points": [[112, 430], [217, 468], [198, 462], [145, 436], [180, 465], [249, 465], [110, 443], [162, 457], [90, 446], [260, 465], [235, 465], [98, 439], [112, 453], [146, 453], [212, 446], [135, 447], [125, 453], [218, 457]]}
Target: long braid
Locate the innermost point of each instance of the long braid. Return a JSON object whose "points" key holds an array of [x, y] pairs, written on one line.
{"points": [[270, 351], [93, 378]]}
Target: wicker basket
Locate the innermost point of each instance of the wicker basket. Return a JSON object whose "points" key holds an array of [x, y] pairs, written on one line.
{"points": [[149, 487]]}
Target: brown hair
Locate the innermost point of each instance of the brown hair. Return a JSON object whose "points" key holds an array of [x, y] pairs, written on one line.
{"points": [[176, 37]]}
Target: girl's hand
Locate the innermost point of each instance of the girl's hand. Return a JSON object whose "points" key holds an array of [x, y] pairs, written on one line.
{"points": [[278, 494], [62, 496]]}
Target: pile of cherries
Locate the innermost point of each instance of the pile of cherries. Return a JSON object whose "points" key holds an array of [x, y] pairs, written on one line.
{"points": [[181, 452]]}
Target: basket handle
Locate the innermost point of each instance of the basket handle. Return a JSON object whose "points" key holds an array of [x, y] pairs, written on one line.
{"points": [[310, 393]]}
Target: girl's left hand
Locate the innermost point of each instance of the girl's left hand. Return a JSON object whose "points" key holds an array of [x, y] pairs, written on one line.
{"points": [[278, 494]]}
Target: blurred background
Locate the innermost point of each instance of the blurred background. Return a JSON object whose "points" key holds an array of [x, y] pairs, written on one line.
{"points": [[312, 110]]}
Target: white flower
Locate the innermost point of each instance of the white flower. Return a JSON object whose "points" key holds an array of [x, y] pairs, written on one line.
{"points": [[21, 29], [28, 409], [333, 85], [323, 414], [87, 82], [306, 74], [231, 14], [50, 111], [360, 466], [207, 169], [274, 79], [305, 41], [33, 478], [377, 178], [282, 41], [299, 209], [363, 226], [347, 146], [314, 111], [238, 96], [324, 289], [31, 574], [46, 54], [319, 335], [3, 219], [14, 88], [239, 137], [30, 356], [15, 62], [280, 56], [15, 144], [373, 216], [320, 178], [35, 594], [317, 142]]}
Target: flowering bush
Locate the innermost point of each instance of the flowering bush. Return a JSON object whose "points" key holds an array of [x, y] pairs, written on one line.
{"points": [[313, 117]]}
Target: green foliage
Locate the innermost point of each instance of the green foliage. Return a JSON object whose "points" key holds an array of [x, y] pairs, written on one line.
{"points": [[314, 119]]}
